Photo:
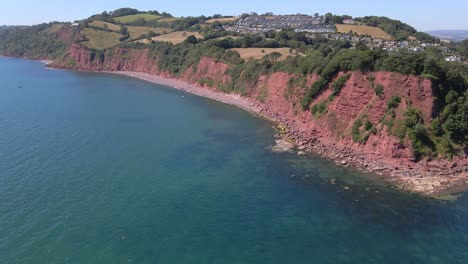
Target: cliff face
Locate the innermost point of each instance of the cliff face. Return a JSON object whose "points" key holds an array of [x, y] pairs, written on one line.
{"points": [[357, 99], [337, 130]]}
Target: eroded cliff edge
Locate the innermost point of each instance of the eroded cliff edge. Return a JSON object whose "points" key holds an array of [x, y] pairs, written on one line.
{"points": [[353, 127]]}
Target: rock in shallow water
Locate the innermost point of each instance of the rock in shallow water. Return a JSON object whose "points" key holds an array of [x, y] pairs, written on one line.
{"points": [[282, 146]]}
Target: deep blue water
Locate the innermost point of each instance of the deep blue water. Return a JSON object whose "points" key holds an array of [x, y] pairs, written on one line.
{"points": [[97, 168]]}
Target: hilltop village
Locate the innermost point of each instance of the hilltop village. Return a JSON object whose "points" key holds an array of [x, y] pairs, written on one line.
{"points": [[349, 30]]}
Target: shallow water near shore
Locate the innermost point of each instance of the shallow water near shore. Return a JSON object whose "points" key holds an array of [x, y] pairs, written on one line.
{"points": [[101, 168]]}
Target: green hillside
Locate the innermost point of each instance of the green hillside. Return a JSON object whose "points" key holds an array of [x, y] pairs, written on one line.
{"points": [[100, 39], [397, 29]]}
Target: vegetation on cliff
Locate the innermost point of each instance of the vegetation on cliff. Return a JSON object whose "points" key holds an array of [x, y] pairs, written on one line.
{"points": [[36, 42]]}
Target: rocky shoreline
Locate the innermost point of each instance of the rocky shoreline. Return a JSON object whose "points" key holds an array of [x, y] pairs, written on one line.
{"points": [[437, 179]]}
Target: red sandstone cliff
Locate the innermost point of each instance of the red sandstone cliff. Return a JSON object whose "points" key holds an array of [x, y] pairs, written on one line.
{"points": [[330, 133]]}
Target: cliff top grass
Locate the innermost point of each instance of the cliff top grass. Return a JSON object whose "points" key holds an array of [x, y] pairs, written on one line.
{"points": [[259, 53], [136, 31], [105, 25], [375, 32], [174, 37], [168, 19], [131, 18], [100, 39]]}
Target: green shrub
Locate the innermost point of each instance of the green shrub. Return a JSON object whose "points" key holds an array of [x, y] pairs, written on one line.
{"points": [[379, 90], [339, 84], [412, 118], [319, 109], [313, 92], [206, 82], [355, 133], [437, 127], [393, 102]]}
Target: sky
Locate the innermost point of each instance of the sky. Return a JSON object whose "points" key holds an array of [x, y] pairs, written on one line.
{"points": [[423, 15]]}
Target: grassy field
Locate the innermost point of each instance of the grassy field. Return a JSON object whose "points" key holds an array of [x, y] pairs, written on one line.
{"points": [[258, 53], [223, 19], [174, 37], [168, 19], [103, 25], [131, 18], [364, 30], [99, 39], [135, 32]]}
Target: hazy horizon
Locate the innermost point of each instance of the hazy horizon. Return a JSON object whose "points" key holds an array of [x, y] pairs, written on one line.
{"points": [[429, 16]]}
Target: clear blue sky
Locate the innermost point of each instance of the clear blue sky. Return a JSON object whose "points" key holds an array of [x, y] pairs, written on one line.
{"points": [[424, 15]]}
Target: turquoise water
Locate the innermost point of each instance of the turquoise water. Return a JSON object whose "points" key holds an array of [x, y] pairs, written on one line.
{"points": [[97, 168]]}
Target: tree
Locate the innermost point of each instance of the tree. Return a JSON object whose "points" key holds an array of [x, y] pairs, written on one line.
{"points": [[272, 57], [192, 39], [124, 12], [123, 30]]}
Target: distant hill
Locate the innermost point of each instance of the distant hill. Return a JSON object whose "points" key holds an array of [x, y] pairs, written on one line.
{"points": [[4, 27], [453, 35], [397, 29]]}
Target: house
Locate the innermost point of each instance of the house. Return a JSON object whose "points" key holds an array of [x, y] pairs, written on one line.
{"points": [[355, 39], [404, 43], [444, 49], [335, 36], [377, 41], [416, 49], [453, 58], [345, 37], [348, 21], [366, 40]]}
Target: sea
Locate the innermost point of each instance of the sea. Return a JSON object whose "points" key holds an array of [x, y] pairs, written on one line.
{"points": [[103, 168]]}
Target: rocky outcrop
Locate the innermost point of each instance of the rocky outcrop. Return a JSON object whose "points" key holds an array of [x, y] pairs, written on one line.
{"points": [[330, 133]]}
